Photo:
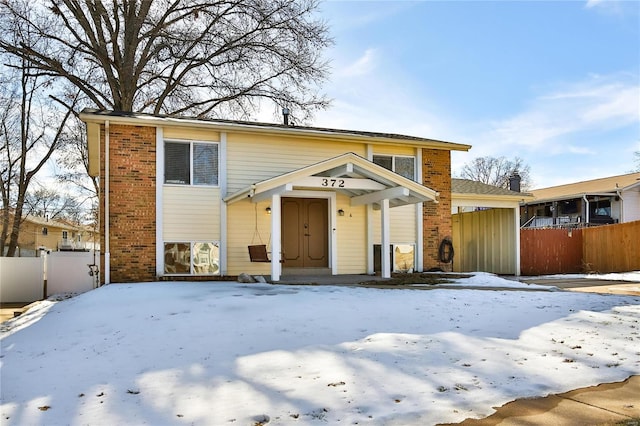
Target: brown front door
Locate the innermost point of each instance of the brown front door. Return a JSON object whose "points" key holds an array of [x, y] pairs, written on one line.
{"points": [[305, 232]]}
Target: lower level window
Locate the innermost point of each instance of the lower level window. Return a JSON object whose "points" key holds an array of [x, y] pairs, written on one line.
{"points": [[192, 258]]}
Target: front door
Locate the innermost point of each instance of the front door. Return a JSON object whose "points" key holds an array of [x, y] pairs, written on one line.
{"points": [[305, 232]]}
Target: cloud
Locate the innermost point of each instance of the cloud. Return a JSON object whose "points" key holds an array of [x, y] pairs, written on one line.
{"points": [[613, 7], [365, 64], [552, 120], [594, 3]]}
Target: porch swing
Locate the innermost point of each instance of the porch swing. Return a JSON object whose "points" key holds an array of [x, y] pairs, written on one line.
{"points": [[258, 252]]}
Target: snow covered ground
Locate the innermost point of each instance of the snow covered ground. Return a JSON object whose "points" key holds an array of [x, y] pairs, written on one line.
{"points": [[252, 354]]}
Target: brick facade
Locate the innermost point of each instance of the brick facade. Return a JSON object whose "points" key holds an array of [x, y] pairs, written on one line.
{"points": [[436, 174], [132, 203]]}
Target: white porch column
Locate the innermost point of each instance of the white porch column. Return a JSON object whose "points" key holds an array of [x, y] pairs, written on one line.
{"points": [[385, 240], [276, 235], [516, 216]]}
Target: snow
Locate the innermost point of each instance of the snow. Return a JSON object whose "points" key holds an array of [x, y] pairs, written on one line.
{"points": [[222, 353]]}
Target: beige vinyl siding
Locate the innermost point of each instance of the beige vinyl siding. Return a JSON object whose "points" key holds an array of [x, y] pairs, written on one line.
{"points": [[484, 241], [190, 134], [351, 237], [241, 226], [191, 213], [252, 158], [394, 150], [403, 225]]}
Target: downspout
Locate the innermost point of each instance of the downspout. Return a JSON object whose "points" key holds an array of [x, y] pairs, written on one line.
{"points": [[586, 209], [107, 253]]}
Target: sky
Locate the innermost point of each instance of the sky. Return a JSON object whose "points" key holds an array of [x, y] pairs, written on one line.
{"points": [[556, 83], [229, 353]]}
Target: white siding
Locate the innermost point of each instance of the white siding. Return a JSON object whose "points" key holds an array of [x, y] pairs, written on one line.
{"points": [[191, 213], [631, 206]]}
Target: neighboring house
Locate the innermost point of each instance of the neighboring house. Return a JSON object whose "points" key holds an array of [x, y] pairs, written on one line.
{"points": [[614, 199], [486, 226], [41, 233], [189, 198]]}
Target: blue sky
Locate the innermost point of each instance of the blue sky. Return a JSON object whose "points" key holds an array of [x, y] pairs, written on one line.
{"points": [[556, 83]]}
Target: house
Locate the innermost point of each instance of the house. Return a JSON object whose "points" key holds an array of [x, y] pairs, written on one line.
{"points": [[186, 198], [486, 226], [614, 199], [41, 233]]}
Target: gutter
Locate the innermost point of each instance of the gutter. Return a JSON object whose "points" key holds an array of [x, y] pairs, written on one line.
{"points": [[107, 253]]}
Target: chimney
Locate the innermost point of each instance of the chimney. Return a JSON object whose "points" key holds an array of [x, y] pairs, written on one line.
{"points": [[285, 116], [514, 182]]}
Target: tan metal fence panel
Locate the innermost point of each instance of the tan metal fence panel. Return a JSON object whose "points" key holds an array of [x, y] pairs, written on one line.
{"points": [[612, 248], [550, 251], [484, 241]]}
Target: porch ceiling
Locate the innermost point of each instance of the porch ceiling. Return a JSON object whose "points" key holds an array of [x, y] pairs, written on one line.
{"points": [[361, 180]]}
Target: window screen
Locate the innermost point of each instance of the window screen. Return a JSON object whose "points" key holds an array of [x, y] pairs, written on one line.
{"points": [[205, 164], [405, 167], [176, 163], [385, 161]]}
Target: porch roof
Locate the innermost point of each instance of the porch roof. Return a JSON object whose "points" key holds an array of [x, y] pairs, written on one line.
{"points": [[608, 186], [363, 181]]}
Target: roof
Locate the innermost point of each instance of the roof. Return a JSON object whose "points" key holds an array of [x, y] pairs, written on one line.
{"points": [[39, 220], [603, 186], [467, 186], [100, 116], [363, 181]]}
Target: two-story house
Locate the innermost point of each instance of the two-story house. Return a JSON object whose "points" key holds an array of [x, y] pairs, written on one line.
{"points": [[192, 198]]}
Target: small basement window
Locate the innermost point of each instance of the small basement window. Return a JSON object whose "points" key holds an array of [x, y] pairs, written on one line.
{"points": [[192, 258]]}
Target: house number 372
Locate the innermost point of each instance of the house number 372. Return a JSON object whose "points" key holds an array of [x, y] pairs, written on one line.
{"points": [[333, 183]]}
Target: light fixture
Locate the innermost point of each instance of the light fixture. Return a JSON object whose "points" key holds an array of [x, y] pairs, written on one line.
{"points": [[340, 212], [268, 210]]}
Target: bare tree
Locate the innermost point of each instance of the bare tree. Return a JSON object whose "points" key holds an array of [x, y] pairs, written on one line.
{"points": [[51, 203], [636, 154], [31, 126], [497, 171], [195, 57], [74, 164]]}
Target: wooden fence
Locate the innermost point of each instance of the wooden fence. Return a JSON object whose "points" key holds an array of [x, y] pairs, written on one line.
{"points": [[612, 248], [550, 251], [607, 248]]}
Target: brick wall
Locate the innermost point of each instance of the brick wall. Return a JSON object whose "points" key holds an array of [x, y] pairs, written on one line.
{"points": [[132, 203], [436, 174]]}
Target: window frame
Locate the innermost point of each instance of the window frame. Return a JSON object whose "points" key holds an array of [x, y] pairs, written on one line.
{"points": [[191, 144], [192, 244], [393, 163]]}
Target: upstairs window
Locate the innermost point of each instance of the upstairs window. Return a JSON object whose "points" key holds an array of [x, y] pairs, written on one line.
{"points": [[402, 165], [191, 163]]}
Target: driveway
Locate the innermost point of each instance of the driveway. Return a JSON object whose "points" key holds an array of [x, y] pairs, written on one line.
{"points": [[589, 285]]}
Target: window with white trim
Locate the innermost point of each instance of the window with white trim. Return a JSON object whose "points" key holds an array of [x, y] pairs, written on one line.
{"points": [[191, 163], [192, 258], [403, 165]]}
